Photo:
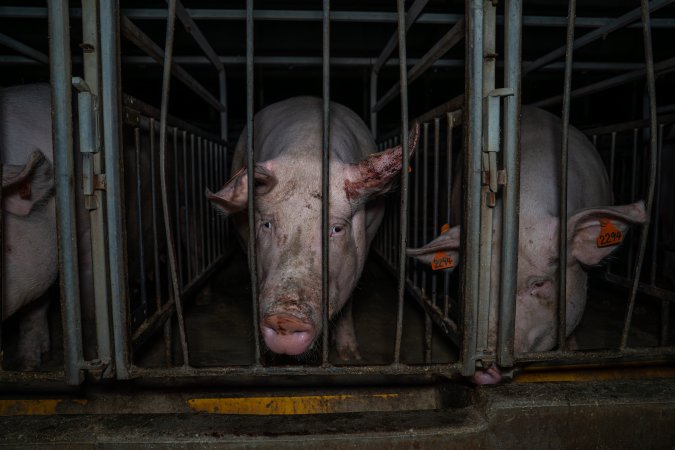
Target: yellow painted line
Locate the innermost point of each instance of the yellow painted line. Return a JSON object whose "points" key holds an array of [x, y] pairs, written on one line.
{"points": [[308, 404], [624, 373], [42, 407]]}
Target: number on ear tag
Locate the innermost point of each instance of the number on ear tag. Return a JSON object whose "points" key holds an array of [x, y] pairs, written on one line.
{"points": [[442, 260], [609, 235]]}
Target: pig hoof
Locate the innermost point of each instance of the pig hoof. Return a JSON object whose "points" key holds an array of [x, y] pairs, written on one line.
{"points": [[490, 376], [348, 352]]}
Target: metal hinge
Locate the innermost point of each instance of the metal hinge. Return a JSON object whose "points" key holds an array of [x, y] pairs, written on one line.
{"points": [[89, 139], [492, 176]]}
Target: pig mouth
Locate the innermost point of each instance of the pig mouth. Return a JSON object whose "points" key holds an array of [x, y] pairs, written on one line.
{"points": [[288, 335]]}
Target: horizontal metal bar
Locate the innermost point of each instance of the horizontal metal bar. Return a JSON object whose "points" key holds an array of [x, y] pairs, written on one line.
{"points": [[600, 33], [449, 40], [23, 12], [643, 288], [660, 68], [628, 126], [598, 356], [23, 49], [142, 41], [11, 60], [446, 370]]}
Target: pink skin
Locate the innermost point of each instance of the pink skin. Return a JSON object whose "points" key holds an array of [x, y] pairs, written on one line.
{"points": [[288, 229], [537, 276]]}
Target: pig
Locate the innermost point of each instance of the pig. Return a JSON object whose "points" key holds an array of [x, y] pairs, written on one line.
{"points": [[29, 211], [288, 146], [589, 198]]}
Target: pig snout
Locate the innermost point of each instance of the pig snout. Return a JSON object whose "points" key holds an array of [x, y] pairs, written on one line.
{"points": [[287, 334]]}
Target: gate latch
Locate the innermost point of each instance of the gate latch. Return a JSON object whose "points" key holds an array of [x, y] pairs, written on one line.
{"points": [[90, 138], [491, 125]]}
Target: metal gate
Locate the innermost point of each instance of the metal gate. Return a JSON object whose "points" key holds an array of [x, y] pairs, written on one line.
{"points": [[155, 240]]}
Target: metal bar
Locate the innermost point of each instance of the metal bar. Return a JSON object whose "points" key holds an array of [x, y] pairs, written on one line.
{"points": [[472, 201], [170, 242], [651, 90], [23, 49], [143, 42], [657, 206], [325, 180], [252, 256], [627, 126], [222, 90], [153, 209], [139, 212], [62, 127], [511, 191], [436, 186], [404, 177], [449, 40], [662, 67], [22, 12], [194, 254], [633, 186], [564, 156], [448, 206], [600, 33], [643, 288], [111, 96], [176, 195], [201, 222], [99, 234], [416, 218], [206, 217], [598, 356], [410, 18], [2, 263], [425, 199]]}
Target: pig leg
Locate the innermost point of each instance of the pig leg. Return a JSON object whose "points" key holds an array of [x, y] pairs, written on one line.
{"points": [[34, 334], [345, 337]]}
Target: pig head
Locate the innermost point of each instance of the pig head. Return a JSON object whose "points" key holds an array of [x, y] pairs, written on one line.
{"points": [[590, 218], [288, 202]]}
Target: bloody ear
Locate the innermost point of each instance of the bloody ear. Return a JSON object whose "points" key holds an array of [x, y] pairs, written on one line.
{"points": [[442, 252], [594, 233], [233, 197], [377, 174]]}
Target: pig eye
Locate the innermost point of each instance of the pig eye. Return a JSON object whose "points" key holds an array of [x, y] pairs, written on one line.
{"points": [[541, 287], [267, 225], [336, 229]]}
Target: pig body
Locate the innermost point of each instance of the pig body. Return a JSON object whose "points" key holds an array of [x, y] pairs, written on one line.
{"points": [[589, 201], [287, 145]]}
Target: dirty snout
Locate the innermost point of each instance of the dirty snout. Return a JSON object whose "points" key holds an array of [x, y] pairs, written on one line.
{"points": [[290, 321]]}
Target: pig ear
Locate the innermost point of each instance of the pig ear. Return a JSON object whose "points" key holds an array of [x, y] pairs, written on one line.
{"points": [[596, 232], [442, 252], [23, 187], [377, 174], [233, 197]]}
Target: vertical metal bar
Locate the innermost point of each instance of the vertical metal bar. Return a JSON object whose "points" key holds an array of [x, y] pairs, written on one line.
{"points": [[62, 128], [222, 87], [193, 248], [612, 160], [166, 82], [186, 200], [651, 90], [471, 236], [416, 216], [633, 187], [325, 181], [153, 209], [425, 198], [562, 244], [207, 210], [201, 220], [139, 212], [176, 204], [657, 207], [373, 101], [511, 154], [110, 87], [404, 175], [448, 206], [253, 257], [91, 59], [436, 210]]}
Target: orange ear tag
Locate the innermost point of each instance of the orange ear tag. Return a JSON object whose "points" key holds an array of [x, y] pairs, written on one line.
{"points": [[445, 228], [609, 234], [442, 260]]}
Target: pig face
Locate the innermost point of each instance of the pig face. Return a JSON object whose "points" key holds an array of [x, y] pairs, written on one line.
{"points": [[288, 233], [538, 262]]}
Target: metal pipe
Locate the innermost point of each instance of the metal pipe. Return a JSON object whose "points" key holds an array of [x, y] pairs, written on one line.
{"points": [[62, 127], [651, 90], [564, 157], [171, 251], [663, 67], [23, 49], [22, 12], [425, 199], [600, 33], [448, 207], [404, 177], [472, 170], [143, 42], [511, 190], [436, 186], [153, 211], [139, 212], [657, 207], [252, 256], [195, 254], [176, 205], [325, 180], [449, 40]]}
